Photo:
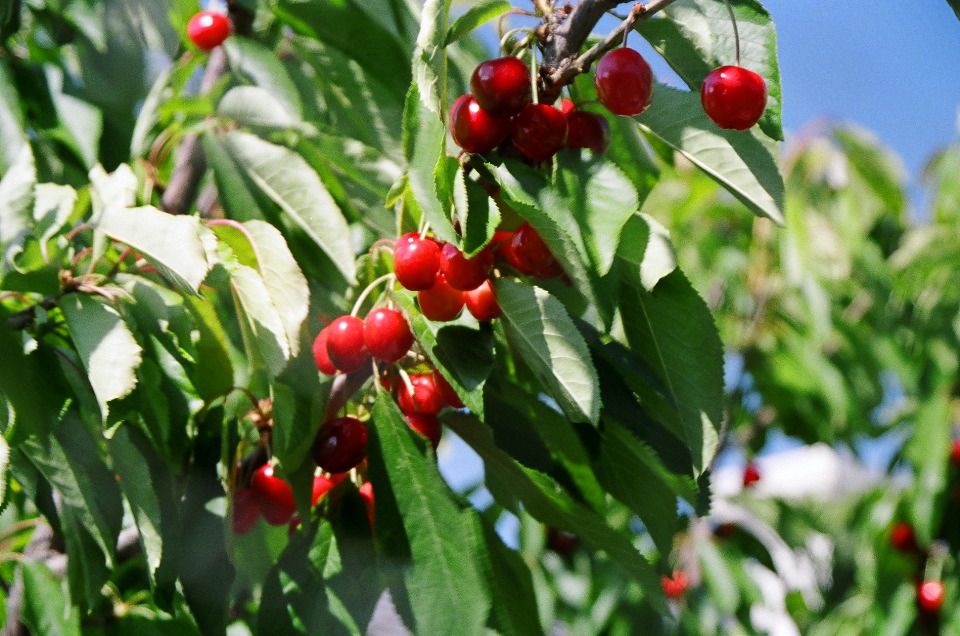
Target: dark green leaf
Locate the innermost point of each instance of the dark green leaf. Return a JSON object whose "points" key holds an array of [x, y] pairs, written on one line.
{"points": [[46, 606], [508, 575], [480, 13], [13, 137], [478, 213]]}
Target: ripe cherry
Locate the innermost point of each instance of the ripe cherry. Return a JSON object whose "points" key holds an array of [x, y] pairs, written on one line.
{"points": [[902, 537], [322, 485], [387, 334], [320, 353], [246, 510], [733, 97], [502, 86], [528, 253], [426, 398], [474, 129], [366, 491], [561, 542], [955, 453], [567, 106], [208, 29], [441, 302], [588, 130], [482, 303], [416, 261], [449, 394], [427, 425], [345, 344], [930, 596], [624, 82], [751, 475], [274, 496], [461, 272], [340, 444], [539, 131], [676, 586]]}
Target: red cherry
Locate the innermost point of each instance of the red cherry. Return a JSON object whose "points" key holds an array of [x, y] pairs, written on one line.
{"points": [[675, 586], [502, 86], [733, 97], [340, 444], [930, 596], [561, 542], [588, 130], [539, 131], [624, 82], [566, 106], [902, 537], [474, 129], [425, 424], [482, 303], [464, 273], [449, 394], [320, 353], [208, 29], [426, 398], [322, 485], [750, 475], [387, 334], [416, 261], [345, 344], [366, 491], [955, 453], [441, 302], [274, 496], [246, 510], [528, 253]]}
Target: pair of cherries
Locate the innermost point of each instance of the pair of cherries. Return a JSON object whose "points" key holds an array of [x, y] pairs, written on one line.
{"points": [[348, 342], [423, 400], [271, 497]]}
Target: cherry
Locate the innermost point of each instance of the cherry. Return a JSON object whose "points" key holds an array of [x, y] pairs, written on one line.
{"points": [[416, 261], [345, 344], [208, 29], [482, 303], [366, 491], [902, 537], [624, 82], [449, 394], [528, 253], [733, 97], [561, 542], [426, 398], [320, 353], [441, 302], [675, 586], [464, 273], [930, 596], [246, 510], [474, 129], [502, 86], [567, 106], [588, 130], [750, 475], [322, 485], [340, 444], [274, 496], [539, 131], [955, 453], [387, 334], [427, 425]]}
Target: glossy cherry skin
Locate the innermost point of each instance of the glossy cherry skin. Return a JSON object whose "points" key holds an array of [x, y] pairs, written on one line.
{"points": [[387, 334], [345, 344], [902, 537], [366, 491], [447, 391], [474, 129], [246, 510], [733, 97], [588, 130], [274, 496], [426, 398], [340, 444], [320, 353], [624, 82], [567, 106], [930, 596], [427, 425], [441, 302], [674, 587], [528, 253], [208, 29], [464, 273], [750, 475], [322, 485], [502, 86], [416, 261], [539, 131], [482, 303]]}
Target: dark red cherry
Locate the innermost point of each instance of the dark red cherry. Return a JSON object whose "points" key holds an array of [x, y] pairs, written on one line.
{"points": [[340, 444], [416, 261], [902, 537], [539, 131], [274, 496], [320, 353], [441, 302], [208, 29], [955, 452], [624, 82], [449, 395], [482, 303], [366, 491], [246, 510], [528, 253], [733, 97], [502, 86], [474, 129], [751, 475], [427, 425], [426, 397], [345, 344], [930, 596], [464, 273], [561, 542], [387, 334], [588, 130]]}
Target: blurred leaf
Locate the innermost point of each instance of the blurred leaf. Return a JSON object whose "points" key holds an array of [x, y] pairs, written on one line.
{"points": [[478, 14], [515, 605], [13, 137], [46, 607], [255, 106], [255, 63], [927, 450], [16, 196]]}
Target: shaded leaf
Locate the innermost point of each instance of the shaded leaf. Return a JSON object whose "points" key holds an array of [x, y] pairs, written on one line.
{"points": [[46, 606], [480, 13]]}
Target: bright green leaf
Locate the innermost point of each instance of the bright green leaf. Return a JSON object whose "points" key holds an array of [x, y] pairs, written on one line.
{"points": [[480, 13], [255, 63]]}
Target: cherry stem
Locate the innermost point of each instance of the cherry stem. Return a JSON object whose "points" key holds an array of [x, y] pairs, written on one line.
{"points": [[369, 288], [628, 23], [533, 75], [736, 33], [408, 385]]}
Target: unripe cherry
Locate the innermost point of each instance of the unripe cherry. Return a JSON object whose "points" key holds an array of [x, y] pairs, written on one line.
{"points": [[502, 86], [624, 82]]}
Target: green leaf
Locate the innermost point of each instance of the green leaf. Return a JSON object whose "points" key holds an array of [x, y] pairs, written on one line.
{"points": [[696, 36], [671, 329], [264, 323], [445, 572], [480, 13], [292, 184], [16, 196], [255, 63], [105, 344], [46, 606], [478, 213], [52, 206], [647, 245], [174, 244], [955, 5], [928, 449], [149, 115], [745, 163], [543, 335], [255, 106], [508, 576], [430, 57], [13, 137]]}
